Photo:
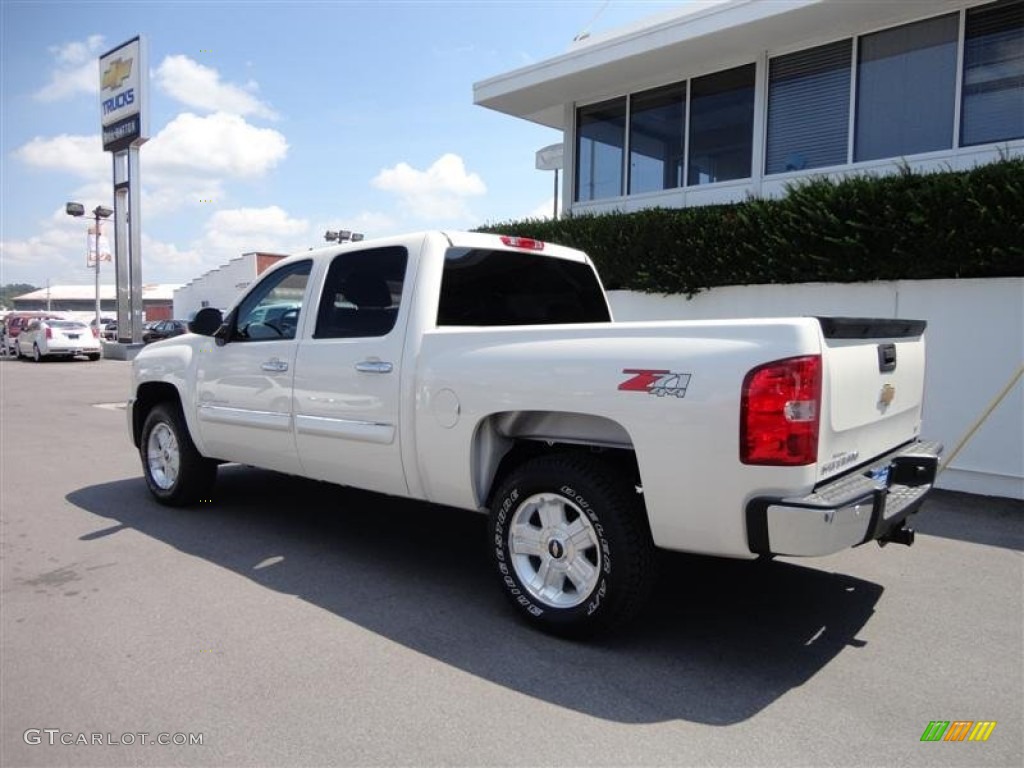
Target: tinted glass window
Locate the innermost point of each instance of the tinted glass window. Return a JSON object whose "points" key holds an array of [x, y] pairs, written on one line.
{"points": [[906, 80], [809, 108], [656, 139], [993, 88], [721, 126], [271, 310], [600, 144], [484, 287], [362, 294]]}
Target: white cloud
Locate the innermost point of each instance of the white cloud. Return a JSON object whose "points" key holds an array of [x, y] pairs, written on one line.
{"points": [[374, 224], [542, 211], [438, 193], [171, 264], [232, 232], [185, 163], [218, 144], [200, 87], [80, 155], [57, 252], [76, 70]]}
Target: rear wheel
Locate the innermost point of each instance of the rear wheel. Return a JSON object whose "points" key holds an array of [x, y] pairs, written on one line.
{"points": [[176, 473], [570, 540], [36, 354]]}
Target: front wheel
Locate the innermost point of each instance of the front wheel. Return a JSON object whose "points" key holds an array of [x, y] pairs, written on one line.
{"points": [[176, 473], [569, 537]]}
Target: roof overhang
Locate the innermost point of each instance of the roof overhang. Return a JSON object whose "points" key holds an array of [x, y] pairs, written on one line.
{"points": [[686, 43]]}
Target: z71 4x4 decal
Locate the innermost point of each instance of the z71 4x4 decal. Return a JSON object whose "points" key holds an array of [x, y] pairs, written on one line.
{"points": [[658, 383]]}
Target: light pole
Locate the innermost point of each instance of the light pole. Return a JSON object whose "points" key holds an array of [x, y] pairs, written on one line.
{"points": [[99, 212]]}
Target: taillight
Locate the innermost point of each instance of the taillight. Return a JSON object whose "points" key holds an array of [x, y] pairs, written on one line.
{"points": [[95, 334], [780, 411], [49, 333], [527, 243]]}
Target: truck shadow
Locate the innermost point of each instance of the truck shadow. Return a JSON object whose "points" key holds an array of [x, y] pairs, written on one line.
{"points": [[720, 641]]}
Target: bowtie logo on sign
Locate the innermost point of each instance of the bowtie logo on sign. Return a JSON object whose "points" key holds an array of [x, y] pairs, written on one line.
{"points": [[114, 75]]}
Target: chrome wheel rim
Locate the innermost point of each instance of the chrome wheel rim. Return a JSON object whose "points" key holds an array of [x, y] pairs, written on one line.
{"points": [[554, 550], [35, 354], [163, 456]]}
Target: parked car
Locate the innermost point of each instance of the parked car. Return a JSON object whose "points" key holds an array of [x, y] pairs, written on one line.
{"points": [[164, 329], [43, 338], [108, 328], [16, 322]]}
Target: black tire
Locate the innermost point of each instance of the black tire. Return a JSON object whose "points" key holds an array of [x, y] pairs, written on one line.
{"points": [[94, 356], [180, 483], [592, 516], [36, 354]]}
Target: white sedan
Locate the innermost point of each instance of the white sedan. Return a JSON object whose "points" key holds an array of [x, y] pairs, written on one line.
{"points": [[67, 338]]}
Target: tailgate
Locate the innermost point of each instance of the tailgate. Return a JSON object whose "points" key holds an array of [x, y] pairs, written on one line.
{"points": [[872, 389]]}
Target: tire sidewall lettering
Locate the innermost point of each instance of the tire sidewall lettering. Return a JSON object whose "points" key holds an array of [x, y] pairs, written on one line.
{"points": [[502, 553]]}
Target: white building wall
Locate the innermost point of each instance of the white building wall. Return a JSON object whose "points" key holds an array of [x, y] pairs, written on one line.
{"points": [[218, 287], [975, 341]]}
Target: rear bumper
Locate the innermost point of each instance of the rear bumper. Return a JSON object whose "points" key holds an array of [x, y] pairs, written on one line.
{"points": [[848, 511], [66, 348]]}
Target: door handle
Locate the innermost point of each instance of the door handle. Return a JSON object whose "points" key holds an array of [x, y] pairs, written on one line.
{"points": [[374, 366], [274, 366]]}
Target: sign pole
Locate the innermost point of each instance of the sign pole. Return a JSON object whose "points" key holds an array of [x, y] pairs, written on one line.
{"points": [[124, 87]]}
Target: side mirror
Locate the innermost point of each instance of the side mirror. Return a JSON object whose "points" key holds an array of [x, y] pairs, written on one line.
{"points": [[206, 322]]}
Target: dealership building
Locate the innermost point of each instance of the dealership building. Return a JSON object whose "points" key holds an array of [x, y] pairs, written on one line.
{"points": [[81, 300], [719, 101], [221, 286]]}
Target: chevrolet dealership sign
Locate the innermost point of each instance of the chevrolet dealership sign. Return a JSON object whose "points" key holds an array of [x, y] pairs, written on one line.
{"points": [[124, 78]]}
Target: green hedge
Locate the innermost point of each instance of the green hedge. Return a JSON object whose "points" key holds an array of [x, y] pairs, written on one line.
{"points": [[908, 226]]}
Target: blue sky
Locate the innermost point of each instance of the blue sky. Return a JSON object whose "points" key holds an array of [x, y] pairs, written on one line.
{"points": [[273, 121]]}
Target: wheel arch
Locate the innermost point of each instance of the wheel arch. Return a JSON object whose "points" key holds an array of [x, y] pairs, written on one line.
{"points": [[503, 441], [149, 395]]}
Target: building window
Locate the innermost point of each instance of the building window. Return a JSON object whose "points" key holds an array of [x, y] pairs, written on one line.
{"points": [[906, 82], [721, 126], [809, 108], [993, 86], [656, 120], [600, 146]]}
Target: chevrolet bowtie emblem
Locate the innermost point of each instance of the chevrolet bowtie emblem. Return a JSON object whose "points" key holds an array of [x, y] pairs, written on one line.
{"points": [[887, 395], [118, 71]]}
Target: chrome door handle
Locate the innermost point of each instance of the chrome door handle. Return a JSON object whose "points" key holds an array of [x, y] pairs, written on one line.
{"points": [[374, 366], [274, 366]]}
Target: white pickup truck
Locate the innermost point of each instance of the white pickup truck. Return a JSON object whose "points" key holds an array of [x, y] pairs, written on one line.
{"points": [[485, 372]]}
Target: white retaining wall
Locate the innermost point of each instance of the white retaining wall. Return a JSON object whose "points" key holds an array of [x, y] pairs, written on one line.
{"points": [[975, 342]]}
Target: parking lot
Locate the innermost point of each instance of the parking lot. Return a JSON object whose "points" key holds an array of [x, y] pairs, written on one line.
{"points": [[288, 622]]}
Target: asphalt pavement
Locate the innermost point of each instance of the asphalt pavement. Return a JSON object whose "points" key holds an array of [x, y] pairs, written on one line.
{"points": [[293, 623]]}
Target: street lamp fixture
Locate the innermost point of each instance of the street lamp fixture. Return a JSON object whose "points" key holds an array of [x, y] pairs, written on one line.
{"points": [[99, 212], [342, 236]]}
